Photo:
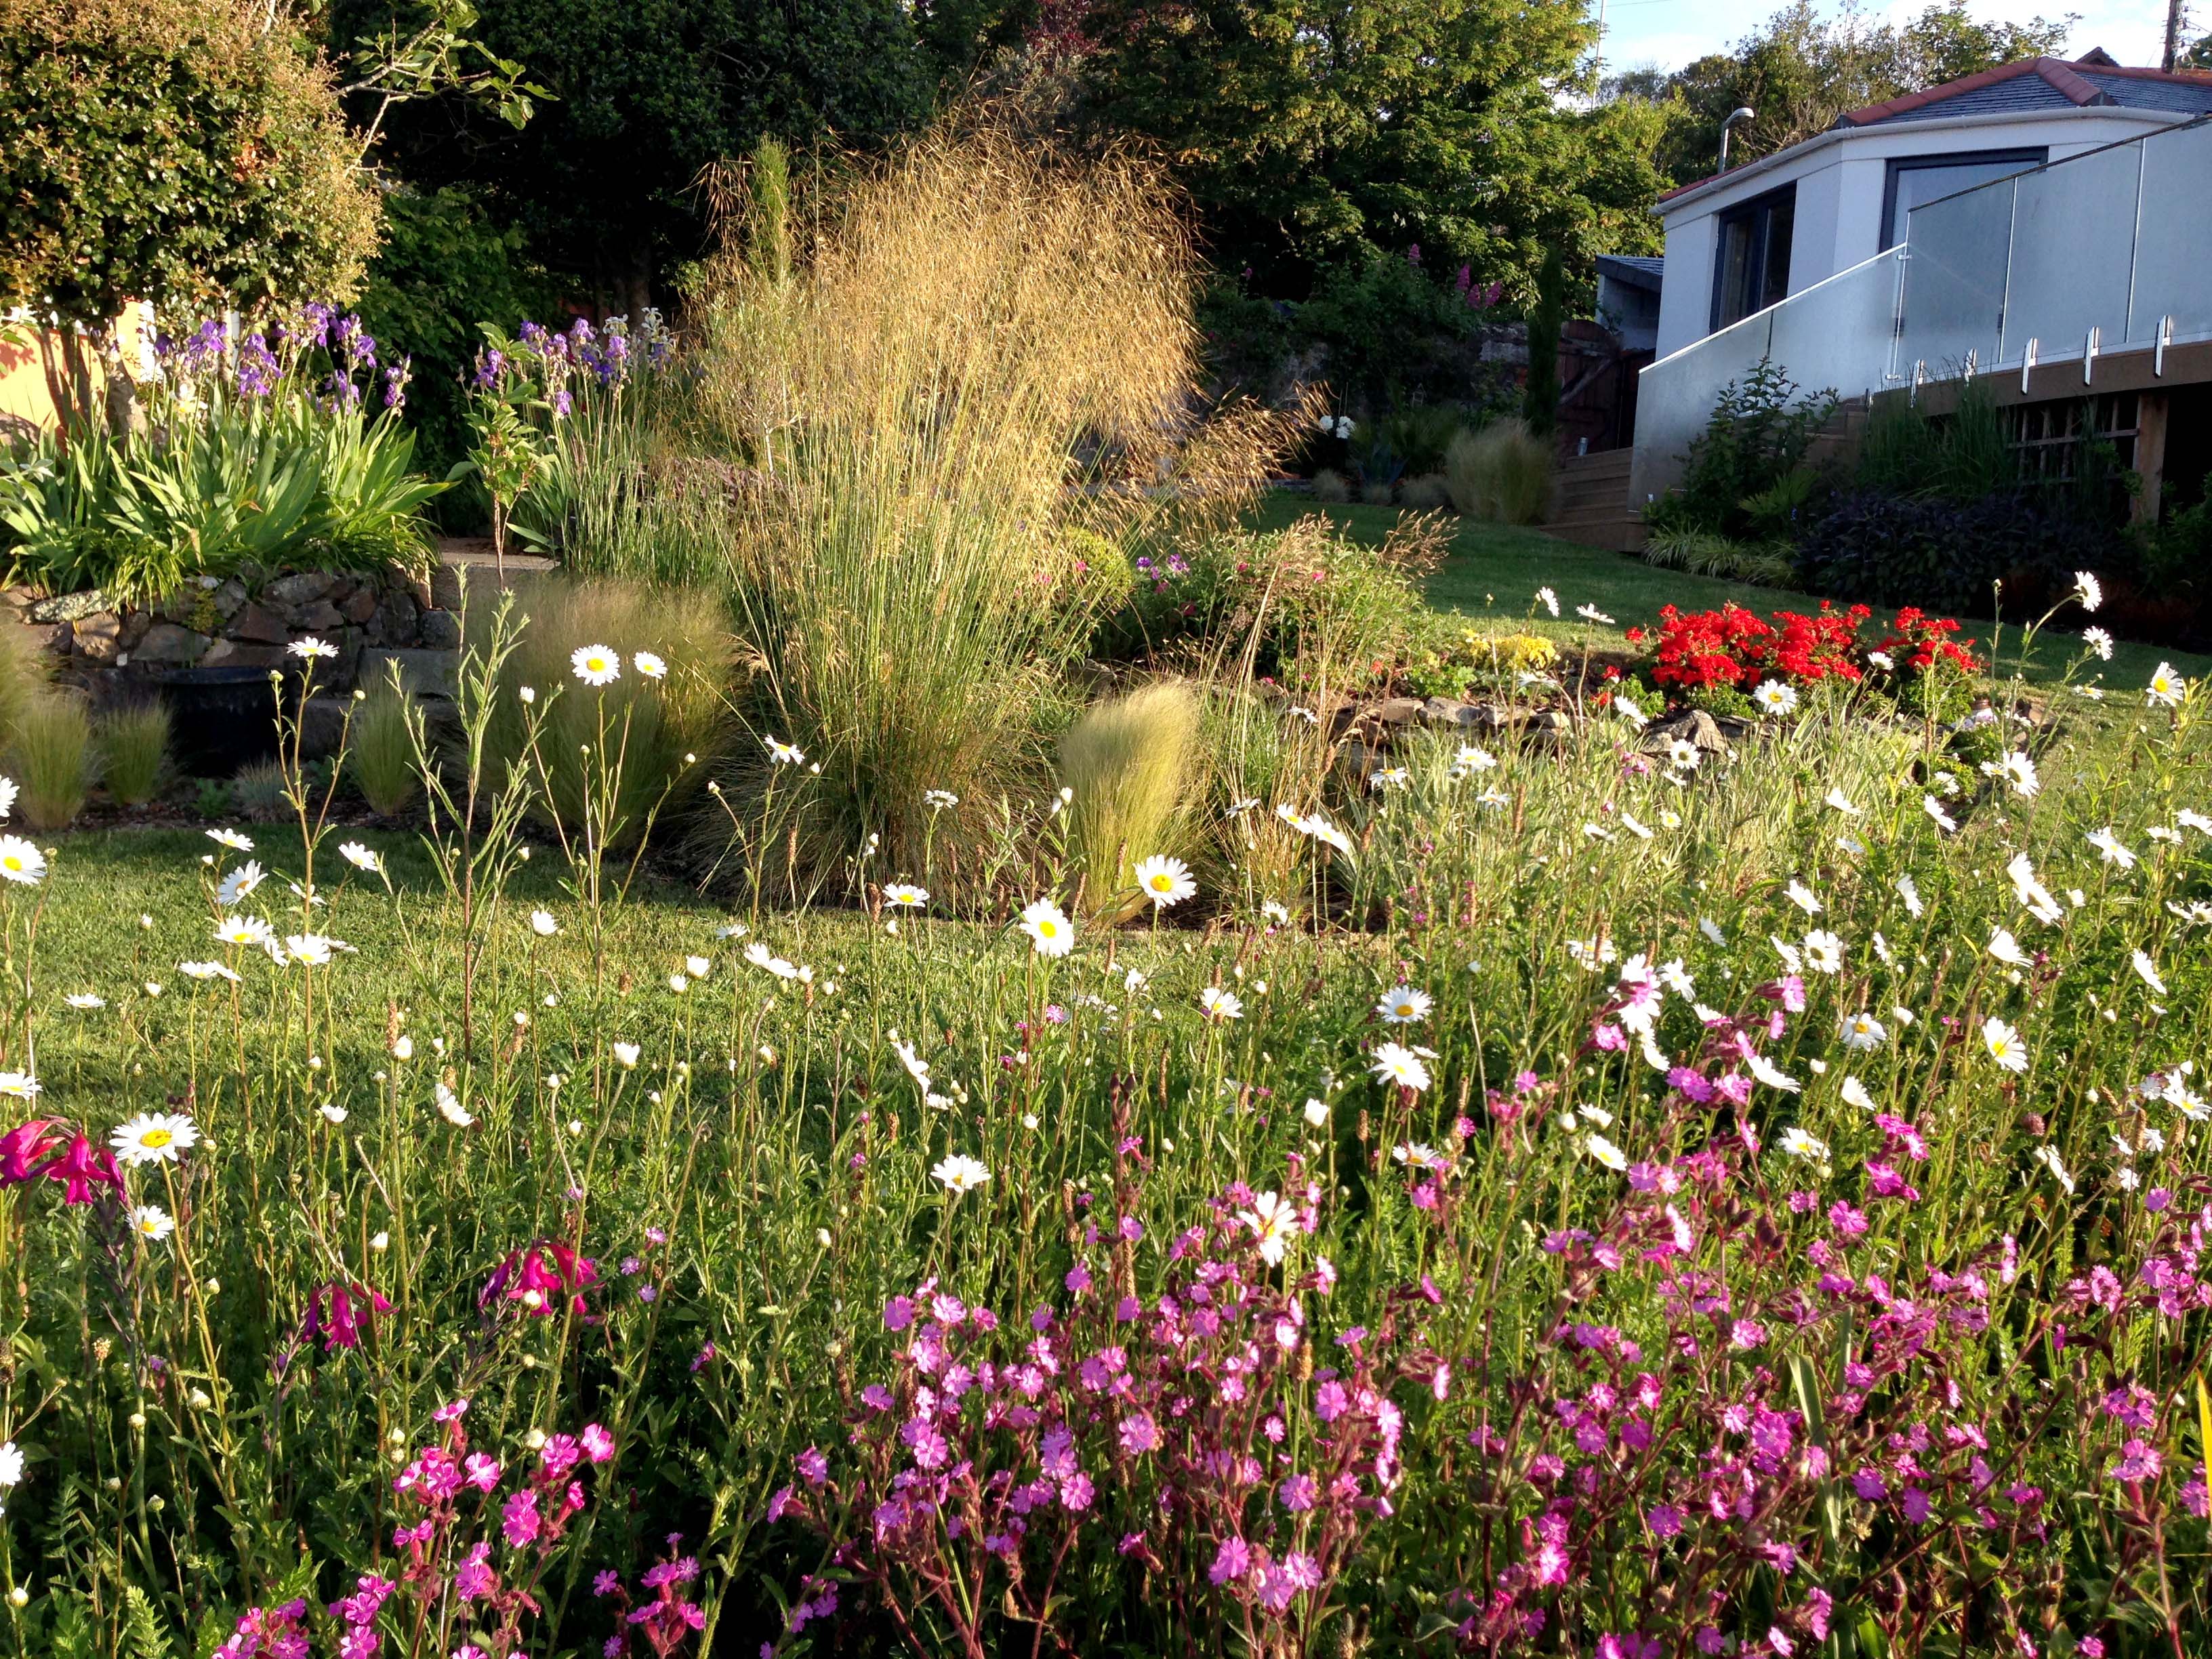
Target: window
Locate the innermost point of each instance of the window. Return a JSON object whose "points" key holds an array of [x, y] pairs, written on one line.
{"points": [[1916, 180], [1752, 268]]}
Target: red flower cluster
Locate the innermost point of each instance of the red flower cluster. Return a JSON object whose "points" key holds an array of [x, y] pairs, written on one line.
{"points": [[1917, 641], [1732, 647]]}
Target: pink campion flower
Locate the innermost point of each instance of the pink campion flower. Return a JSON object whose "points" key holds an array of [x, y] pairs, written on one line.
{"points": [[1869, 1485], [1076, 1492], [1608, 1038], [1915, 1505], [1139, 1434], [1664, 1520], [369, 1594], [898, 1314], [1850, 1221], [1747, 1334], [2197, 1496], [813, 1466], [336, 1312], [1778, 1640], [1232, 1561], [474, 1580], [1902, 1136], [598, 1445], [1884, 1181], [452, 1412], [2134, 1406], [559, 1455], [518, 1519], [1331, 1400], [2137, 1461], [1298, 1492], [481, 1471], [947, 1309]]}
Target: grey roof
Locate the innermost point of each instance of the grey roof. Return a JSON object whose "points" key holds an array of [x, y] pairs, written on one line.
{"points": [[2022, 94], [2141, 91], [1641, 271]]}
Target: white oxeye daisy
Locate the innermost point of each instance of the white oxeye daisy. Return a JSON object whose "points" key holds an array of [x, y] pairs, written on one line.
{"points": [[1605, 1153], [1855, 1094], [626, 1055], [309, 949], [938, 800], [18, 1085], [8, 793], [2005, 948], [20, 862], [153, 1137], [312, 649], [2147, 969], [1863, 1031], [2089, 591], [785, 754], [1164, 880], [1683, 755], [249, 931], [1773, 697], [650, 666], [2166, 687], [1802, 895], [450, 1108], [2004, 1045], [1548, 599], [1802, 1142], [1049, 928], [85, 1000], [1271, 910], [905, 896], [235, 840], [2098, 641], [542, 924], [238, 884], [1824, 951], [360, 858], [959, 1173], [1221, 1004], [151, 1222], [595, 665], [1403, 1005], [2108, 845], [1394, 1063]]}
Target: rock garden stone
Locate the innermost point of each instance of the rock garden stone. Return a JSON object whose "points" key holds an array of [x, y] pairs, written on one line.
{"points": [[300, 587], [168, 643], [257, 624], [440, 630], [70, 607], [319, 617]]}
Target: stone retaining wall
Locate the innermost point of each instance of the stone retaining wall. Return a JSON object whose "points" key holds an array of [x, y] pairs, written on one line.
{"points": [[372, 618]]}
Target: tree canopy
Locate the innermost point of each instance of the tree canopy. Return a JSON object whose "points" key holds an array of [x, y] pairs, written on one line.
{"points": [[188, 152], [1312, 134], [1806, 67]]}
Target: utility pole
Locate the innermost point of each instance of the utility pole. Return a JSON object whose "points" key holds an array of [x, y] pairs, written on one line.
{"points": [[2173, 12]]}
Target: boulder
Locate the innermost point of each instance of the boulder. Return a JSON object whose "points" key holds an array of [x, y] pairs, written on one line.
{"points": [[257, 624], [232, 654], [166, 643], [1462, 716], [321, 616], [70, 607], [95, 634], [359, 605], [422, 673], [439, 630], [300, 587], [1695, 725], [1397, 711], [229, 598]]}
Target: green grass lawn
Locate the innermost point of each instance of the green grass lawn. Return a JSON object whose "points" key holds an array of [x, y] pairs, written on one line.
{"points": [[1493, 571]]}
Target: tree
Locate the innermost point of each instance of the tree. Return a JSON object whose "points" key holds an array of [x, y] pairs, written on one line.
{"points": [[1539, 400], [646, 94], [187, 152], [1314, 134], [1806, 68]]}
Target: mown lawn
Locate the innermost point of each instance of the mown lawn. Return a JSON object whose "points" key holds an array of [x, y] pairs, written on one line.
{"points": [[1494, 571]]}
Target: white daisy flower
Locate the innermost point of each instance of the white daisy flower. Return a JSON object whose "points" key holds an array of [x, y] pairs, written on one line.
{"points": [[153, 1137], [239, 884], [1909, 890], [450, 1108], [1403, 1006], [20, 862], [2166, 687], [2149, 971], [2006, 949], [781, 753], [151, 1223], [312, 649], [1221, 1004], [2089, 591], [542, 924], [1394, 1063], [2108, 845], [85, 1000], [1863, 1031], [595, 665], [2099, 642], [235, 840], [905, 896], [1802, 895], [1855, 1094], [1801, 1143], [649, 665], [360, 858], [249, 931], [1049, 928], [1164, 880], [2004, 1045], [1824, 951], [1605, 1153], [1773, 697], [959, 1173]]}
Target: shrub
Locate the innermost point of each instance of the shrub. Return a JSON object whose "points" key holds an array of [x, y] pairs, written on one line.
{"points": [[380, 754], [55, 759], [667, 728], [1330, 487], [1502, 473], [134, 750], [1760, 433], [1427, 492], [1422, 434], [1130, 762], [1900, 549], [184, 152]]}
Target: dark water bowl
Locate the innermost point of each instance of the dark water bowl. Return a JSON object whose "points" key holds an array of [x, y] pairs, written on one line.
{"points": [[221, 720]]}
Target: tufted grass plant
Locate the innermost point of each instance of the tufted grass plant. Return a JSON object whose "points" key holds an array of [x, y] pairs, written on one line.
{"points": [[1502, 473], [1130, 762], [134, 750], [54, 757], [381, 758]]}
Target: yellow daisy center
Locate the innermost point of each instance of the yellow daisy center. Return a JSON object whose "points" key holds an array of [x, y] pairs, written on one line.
{"points": [[1162, 882], [156, 1138]]}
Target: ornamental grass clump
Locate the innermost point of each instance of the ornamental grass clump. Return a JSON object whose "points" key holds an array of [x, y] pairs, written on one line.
{"points": [[381, 756], [1502, 472], [1129, 764], [53, 754], [134, 751], [988, 345]]}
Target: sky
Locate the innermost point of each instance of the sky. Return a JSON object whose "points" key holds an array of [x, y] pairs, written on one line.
{"points": [[1671, 33]]}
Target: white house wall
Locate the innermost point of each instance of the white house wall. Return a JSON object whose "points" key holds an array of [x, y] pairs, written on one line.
{"points": [[1841, 177]]}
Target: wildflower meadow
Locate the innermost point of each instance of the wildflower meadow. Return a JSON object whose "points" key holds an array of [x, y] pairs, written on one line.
{"points": [[1605, 1197]]}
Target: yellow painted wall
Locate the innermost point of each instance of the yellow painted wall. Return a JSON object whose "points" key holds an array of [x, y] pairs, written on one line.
{"points": [[28, 354]]}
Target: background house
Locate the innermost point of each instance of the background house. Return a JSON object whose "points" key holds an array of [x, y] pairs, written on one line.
{"points": [[2044, 224]]}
